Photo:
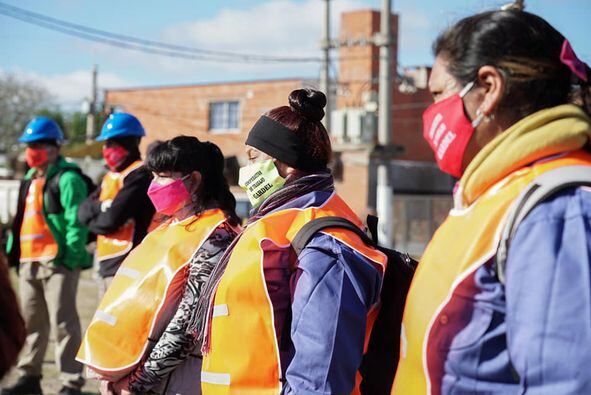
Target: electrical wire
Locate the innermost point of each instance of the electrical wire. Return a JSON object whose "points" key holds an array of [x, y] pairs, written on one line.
{"points": [[151, 46], [139, 44]]}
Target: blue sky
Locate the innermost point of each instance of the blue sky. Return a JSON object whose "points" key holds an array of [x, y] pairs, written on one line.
{"points": [[272, 27]]}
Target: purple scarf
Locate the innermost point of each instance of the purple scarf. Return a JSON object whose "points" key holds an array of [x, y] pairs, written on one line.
{"points": [[201, 326]]}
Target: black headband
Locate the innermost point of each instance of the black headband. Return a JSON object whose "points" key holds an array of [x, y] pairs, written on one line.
{"points": [[274, 139]]}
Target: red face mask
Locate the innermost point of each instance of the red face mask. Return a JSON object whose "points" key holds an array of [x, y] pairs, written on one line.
{"points": [[35, 157], [448, 130], [114, 156]]}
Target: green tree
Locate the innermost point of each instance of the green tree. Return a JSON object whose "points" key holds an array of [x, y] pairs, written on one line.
{"points": [[77, 126], [20, 100]]}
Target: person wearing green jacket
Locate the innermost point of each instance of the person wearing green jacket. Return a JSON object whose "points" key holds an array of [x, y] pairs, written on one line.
{"points": [[48, 247]]}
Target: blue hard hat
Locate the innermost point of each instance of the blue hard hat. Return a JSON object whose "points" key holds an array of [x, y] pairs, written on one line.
{"points": [[41, 128], [121, 125]]}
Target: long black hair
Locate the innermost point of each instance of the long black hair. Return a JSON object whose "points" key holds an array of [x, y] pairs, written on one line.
{"points": [[186, 154], [525, 48]]}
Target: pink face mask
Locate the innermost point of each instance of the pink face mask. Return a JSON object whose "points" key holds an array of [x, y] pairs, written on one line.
{"points": [[448, 130], [169, 198]]}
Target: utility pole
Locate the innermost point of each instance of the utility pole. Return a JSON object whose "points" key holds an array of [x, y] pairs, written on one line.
{"points": [[384, 185], [515, 5], [324, 75], [90, 121]]}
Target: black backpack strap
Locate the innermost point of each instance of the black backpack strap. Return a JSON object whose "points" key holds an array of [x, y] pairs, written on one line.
{"points": [[52, 189], [299, 242], [305, 234], [372, 226], [53, 204], [540, 189]]}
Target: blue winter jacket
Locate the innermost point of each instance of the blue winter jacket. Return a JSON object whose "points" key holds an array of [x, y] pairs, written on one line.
{"points": [[532, 336], [333, 290]]}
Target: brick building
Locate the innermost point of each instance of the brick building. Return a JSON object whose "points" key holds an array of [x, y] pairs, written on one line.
{"points": [[219, 112], [224, 113]]}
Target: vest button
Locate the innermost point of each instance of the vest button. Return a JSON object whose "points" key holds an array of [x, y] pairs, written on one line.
{"points": [[443, 320]]}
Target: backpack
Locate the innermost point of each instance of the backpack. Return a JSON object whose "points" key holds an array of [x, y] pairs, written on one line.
{"points": [[540, 189], [380, 360], [54, 205]]}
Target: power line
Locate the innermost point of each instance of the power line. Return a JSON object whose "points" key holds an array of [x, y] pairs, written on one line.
{"points": [[150, 46], [139, 44], [110, 42]]}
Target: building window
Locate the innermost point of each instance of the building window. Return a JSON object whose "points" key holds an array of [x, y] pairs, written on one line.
{"points": [[223, 116]]}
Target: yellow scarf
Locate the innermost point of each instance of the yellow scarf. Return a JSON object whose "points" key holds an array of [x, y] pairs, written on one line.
{"points": [[547, 132]]}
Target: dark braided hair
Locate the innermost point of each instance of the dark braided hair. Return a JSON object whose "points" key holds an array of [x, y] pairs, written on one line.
{"points": [[186, 154], [303, 116], [525, 48]]}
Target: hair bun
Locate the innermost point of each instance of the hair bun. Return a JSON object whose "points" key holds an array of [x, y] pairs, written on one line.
{"points": [[309, 103]]}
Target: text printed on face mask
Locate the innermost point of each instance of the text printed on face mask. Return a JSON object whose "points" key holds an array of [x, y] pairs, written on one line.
{"points": [[261, 191], [445, 143], [251, 179], [256, 184]]}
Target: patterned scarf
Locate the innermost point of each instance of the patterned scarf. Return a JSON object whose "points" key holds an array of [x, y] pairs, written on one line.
{"points": [[293, 189]]}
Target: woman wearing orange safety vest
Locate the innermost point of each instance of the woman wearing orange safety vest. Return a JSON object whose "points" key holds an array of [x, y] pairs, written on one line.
{"points": [[139, 339], [119, 212], [504, 116], [272, 321]]}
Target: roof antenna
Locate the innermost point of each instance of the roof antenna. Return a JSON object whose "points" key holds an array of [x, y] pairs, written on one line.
{"points": [[518, 5]]}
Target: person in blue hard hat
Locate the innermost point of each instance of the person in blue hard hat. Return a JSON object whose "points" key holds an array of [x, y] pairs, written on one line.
{"points": [[119, 211], [48, 246]]}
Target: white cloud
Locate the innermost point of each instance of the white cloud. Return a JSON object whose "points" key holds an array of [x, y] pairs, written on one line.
{"points": [[71, 88], [281, 27], [290, 28], [274, 28]]}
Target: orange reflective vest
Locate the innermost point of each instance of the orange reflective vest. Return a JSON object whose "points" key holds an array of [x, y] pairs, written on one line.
{"points": [[144, 295], [119, 242], [437, 303], [244, 352], [36, 240]]}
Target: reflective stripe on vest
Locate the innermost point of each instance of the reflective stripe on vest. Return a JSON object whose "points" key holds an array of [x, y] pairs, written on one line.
{"points": [[144, 295], [439, 303], [119, 242], [36, 240], [244, 354]]}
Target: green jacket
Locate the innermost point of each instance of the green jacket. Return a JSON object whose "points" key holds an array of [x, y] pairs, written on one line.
{"points": [[61, 217]]}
